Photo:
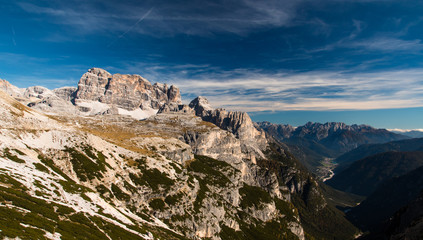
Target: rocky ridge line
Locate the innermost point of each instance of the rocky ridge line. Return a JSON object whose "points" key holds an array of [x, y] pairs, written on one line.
{"points": [[99, 92]]}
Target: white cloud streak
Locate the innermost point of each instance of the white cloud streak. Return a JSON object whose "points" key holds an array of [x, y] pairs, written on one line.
{"points": [[252, 91], [389, 44], [132, 27], [168, 18]]}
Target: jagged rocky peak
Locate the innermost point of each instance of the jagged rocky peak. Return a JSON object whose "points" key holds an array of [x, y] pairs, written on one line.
{"points": [[200, 105], [334, 126], [282, 130], [126, 91], [321, 131], [239, 123], [176, 108]]}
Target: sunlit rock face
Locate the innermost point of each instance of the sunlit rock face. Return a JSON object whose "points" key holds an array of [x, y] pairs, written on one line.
{"points": [[125, 91], [239, 123], [65, 93]]}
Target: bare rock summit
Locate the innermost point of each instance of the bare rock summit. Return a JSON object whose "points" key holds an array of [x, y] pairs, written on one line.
{"points": [[125, 91], [239, 123]]}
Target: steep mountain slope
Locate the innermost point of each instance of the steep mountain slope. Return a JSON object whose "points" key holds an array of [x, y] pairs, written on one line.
{"points": [[363, 176], [171, 176], [407, 223], [407, 145], [314, 143], [41, 197], [388, 198], [320, 219]]}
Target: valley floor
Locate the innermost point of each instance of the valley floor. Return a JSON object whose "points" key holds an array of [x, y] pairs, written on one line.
{"points": [[325, 171]]}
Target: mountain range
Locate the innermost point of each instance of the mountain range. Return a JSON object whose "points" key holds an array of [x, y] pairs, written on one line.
{"points": [[366, 150], [315, 143], [99, 92], [121, 158], [409, 133]]}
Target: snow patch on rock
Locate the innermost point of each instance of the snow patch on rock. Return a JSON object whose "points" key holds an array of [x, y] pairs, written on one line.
{"points": [[138, 114]]}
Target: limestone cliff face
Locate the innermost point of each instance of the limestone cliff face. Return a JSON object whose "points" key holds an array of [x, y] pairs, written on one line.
{"points": [[262, 162], [100, 93], [239, 123], [126, 91], [65, 93], [92, 84]]}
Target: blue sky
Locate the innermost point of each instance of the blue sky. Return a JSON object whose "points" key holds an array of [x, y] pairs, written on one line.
{"points": [[356, 61]]}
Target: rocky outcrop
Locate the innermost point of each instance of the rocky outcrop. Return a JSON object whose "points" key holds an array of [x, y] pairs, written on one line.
{"points": [[101, 93], [241, 136], [54, 104], [10, 89], [37, 92], [238, 123], [279, 131], [201, 106], [57, 101], [92, 84], [174, 107], [125, 91], [66, 93]]}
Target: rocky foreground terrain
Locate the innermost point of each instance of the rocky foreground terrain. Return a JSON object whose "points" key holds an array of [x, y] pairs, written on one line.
{"points": [[121, 158]]}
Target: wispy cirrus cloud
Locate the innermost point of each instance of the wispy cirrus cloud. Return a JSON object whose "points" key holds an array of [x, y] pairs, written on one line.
{"points": [[380, 42], [252, 90], [84, 18], [168, 17], [389, 44], [377, 44]]}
